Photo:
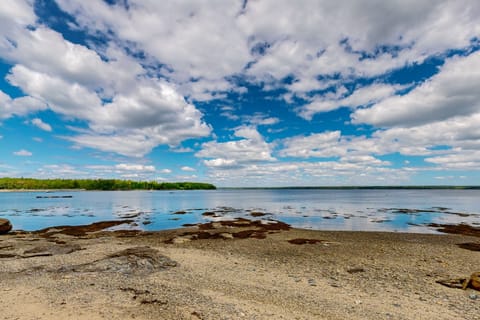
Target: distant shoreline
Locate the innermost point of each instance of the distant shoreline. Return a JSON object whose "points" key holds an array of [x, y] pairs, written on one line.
{"points": [[97, 184], [359, 188], [268, 188], [41, 190], [80, 190]]}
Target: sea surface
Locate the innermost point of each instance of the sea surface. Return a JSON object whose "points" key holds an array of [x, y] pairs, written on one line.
{"points": [[357, 210]]}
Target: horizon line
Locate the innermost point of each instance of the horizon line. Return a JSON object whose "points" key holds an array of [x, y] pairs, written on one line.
{"points": [[364, 187]]}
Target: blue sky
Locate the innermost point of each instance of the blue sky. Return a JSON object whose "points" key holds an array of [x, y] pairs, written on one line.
{"points": [[242, 93]]}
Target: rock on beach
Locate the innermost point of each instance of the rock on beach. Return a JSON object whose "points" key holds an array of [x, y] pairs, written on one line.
{"points": [[5, 226]]}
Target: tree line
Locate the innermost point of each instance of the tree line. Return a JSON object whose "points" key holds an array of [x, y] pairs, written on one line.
{"points": [[98, 184]]}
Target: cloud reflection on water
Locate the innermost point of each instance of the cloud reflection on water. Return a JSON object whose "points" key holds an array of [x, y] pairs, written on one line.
{"points": [[355, 210]]}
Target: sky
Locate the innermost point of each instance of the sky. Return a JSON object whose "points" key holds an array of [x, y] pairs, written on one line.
{"points": [[250, 93]]}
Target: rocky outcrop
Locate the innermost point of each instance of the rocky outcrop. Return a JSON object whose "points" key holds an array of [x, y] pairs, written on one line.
{"points": [[5, 226], [136, 260]]}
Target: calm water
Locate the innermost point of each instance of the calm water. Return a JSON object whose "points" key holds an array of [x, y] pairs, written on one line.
{"points": [[368, 210]]}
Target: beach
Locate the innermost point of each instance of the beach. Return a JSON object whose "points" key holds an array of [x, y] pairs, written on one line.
{"points": [[237, 270]]}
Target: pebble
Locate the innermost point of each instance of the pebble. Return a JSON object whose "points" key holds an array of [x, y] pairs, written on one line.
{"points": [[312, 282], [356, 270], [473, 296], [180, 240]]}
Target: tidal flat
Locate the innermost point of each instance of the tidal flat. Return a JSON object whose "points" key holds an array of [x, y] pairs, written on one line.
{"points": [[240, 254], [237, 269]]}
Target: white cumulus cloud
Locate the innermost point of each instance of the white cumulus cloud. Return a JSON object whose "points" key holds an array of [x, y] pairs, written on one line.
{"points": [[362, 96], [134, 167], [23, 153], [451, 93], [249, 148], [19, 106], [140, 113], [42, 125], [270, 40]]}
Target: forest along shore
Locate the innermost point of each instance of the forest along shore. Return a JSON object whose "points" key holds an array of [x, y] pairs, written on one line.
{"points": [[236, 270], [97, 184]]}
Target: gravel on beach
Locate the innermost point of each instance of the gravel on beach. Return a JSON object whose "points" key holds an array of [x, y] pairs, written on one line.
{"points": [[235, 271]]}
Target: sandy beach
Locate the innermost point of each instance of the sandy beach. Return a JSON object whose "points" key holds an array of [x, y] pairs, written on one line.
{"points": [[238, 270]]}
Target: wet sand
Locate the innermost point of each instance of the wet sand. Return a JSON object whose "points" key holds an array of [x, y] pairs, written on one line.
{"points": [[235, 270]]}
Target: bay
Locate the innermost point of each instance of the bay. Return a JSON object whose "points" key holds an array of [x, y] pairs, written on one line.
{"points": [[320, 209]]}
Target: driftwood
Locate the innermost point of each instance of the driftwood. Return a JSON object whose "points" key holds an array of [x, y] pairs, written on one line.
{"points": [[463, 283]]}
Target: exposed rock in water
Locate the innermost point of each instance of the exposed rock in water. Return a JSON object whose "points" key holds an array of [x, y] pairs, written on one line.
{"points": [[472, 246], [129, 215], [54, 197], [271, 225], [180, 212], [461, 228], [257, 214], [79, 231], [244, 229], [5, 226]]}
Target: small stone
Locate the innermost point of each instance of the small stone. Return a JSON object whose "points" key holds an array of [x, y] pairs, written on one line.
{"points": [[312, 282], [180, 240], [356, 270], [5, 226], [216, 225], [226, 235], [473, 296]]}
